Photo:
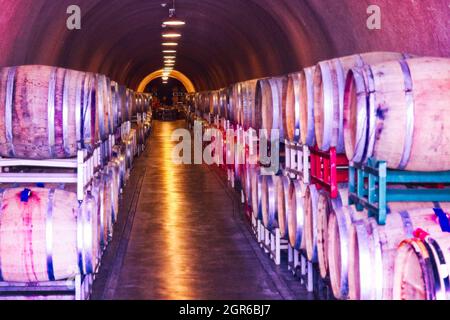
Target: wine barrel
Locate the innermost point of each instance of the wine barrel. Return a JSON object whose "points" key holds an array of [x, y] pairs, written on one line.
{"points": [[339, 223], [251, 118], [422, 268], [119, 159], [306, 83], [236, 103], [215, 103], [125, 95], [230, 104], [324, 208], [372, 250], [223, 103], [269, 201], [404, 98], [246, 183], [147, 102], [329, 87], [310, 226], [291, 114], [256, 181], [283, 186], [45, 238], [116, 106], [113, 171], [132, 104], [45, 112], [296, 214], [139, 129], [269, 101], [103, 106], [99, 192]]}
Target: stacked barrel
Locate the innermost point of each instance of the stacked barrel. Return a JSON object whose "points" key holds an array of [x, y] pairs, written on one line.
{"points": [[48, 115], [383, 105]]}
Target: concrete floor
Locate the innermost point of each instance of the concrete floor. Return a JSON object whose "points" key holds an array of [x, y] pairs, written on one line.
{"points": [[182, 235]]}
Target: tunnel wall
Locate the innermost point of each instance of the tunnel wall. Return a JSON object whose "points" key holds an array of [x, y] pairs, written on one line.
{"points": [[223, 42]]}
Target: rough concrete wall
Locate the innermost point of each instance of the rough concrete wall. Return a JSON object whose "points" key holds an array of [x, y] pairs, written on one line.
{"points": [[224, 41]]}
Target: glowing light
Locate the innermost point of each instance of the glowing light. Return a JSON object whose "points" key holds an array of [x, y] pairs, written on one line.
{"points": [[174, 22], [170, 44], [171, 34], [169, 51]]}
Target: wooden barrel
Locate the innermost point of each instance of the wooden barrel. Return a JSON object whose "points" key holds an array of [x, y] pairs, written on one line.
{"points": [[283, 187], [125, 95], [215, 103], [306, 83], [339, 223], [140, 135], [147, 102], [113, 172], [324, 208], [116, 104], [422, 268], [310, 228], [223, 103], [251, 118], [296, 214], [404, 98], [45, 238], [139, 103], [133, 104], [372, 250], [270, 94], [269, 201], [246, 184], [119, 159], [256, 181], [236, 103], [103, 106], [99, 192], [291, 114], [46, 111], [329, 88], [227, 97]]}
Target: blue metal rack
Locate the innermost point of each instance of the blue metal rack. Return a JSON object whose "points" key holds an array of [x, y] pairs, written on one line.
{"points": [[369, 187]]}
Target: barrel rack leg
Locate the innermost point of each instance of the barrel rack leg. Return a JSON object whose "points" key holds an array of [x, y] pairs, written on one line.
{"points": [[294, 261], [255, 227], [276, 245]]}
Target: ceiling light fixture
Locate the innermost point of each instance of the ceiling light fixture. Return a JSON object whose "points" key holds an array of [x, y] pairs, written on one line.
{"points": [[170, 44], [169, 51], [171, 35], [173, 21]]}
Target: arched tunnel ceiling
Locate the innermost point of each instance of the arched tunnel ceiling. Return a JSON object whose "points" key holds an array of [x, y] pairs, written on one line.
{"points": [[224, 41]]}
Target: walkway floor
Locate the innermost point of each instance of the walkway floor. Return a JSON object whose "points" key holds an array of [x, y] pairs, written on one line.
{"points": [[182, 236]]}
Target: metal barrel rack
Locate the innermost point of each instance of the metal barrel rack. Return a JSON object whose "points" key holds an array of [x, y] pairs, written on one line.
{"points": [[328, 169], [369, 187], [297, 157], [86, 166], [271, 242]]}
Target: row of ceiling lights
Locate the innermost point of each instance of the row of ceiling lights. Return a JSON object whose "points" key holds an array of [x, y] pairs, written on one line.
{"points": [[170, 36]]}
